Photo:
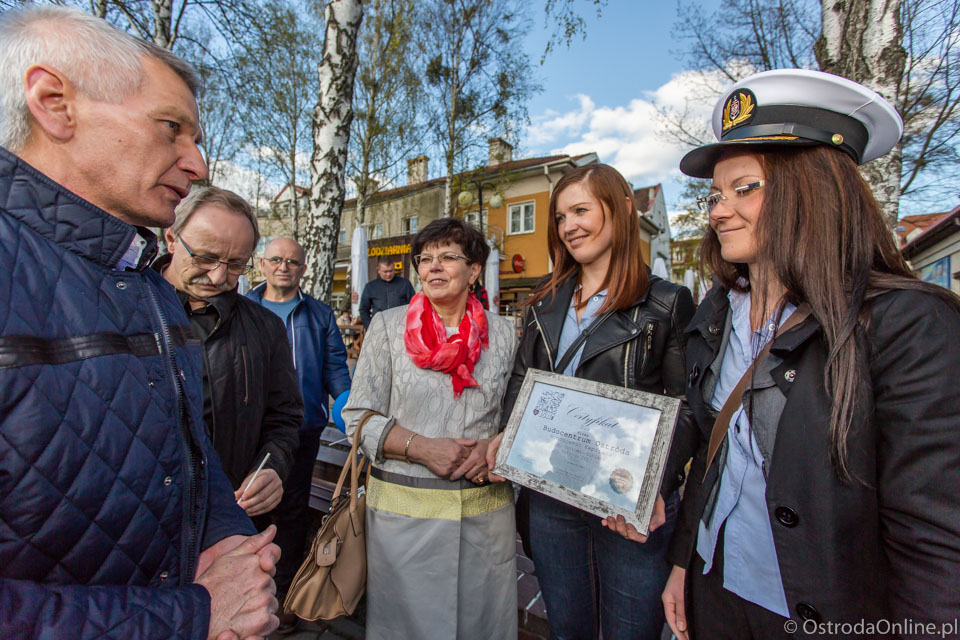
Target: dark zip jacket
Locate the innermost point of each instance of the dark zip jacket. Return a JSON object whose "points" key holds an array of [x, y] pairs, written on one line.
{"points": [[254, 395]]}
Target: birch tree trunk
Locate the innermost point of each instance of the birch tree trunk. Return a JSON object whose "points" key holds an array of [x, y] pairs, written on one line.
{"points": [[162, 17], [331, 133], [863, 40]]}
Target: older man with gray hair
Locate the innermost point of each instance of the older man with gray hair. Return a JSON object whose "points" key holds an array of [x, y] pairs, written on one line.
{"points": [[251, 400], [117, 520]]}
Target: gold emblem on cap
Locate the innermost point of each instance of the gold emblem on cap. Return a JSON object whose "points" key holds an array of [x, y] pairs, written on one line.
{"points": [[739, 108], [837, 139]]}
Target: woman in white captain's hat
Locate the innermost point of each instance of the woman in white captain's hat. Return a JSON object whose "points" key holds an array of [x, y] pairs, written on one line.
{"points": [[825, 485]]}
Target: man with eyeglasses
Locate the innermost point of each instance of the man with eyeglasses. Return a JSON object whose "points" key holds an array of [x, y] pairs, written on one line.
{"points": [[251, 401], [321, 363], [387, 291]]}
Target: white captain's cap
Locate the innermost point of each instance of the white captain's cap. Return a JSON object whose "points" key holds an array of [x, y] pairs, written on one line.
{"points": [[796, 107]]}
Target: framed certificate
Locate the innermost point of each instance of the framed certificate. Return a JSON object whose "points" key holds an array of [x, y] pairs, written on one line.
{"points": [[596, 446]]}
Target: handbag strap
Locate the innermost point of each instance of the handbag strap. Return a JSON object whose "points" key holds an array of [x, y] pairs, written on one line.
{"points": [[735, 399], [350, 466], [576, 344]]}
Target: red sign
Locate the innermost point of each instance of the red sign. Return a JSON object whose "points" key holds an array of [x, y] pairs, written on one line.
{"points": [[518, 263]]}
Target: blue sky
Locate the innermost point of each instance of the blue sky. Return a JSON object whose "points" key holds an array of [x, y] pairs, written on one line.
{"points": [[599, 93]]}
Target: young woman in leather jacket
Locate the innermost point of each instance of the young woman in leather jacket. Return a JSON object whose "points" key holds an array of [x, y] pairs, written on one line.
{"points": [[591, 576]]}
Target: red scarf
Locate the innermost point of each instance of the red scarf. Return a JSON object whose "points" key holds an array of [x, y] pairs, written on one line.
{"points": [[429, 347]]}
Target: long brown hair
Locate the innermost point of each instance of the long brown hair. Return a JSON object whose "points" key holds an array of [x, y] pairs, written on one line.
{"points": [[626, 271], [826, 240]]}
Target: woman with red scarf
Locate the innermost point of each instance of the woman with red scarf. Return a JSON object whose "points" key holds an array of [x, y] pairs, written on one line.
{"points": [[440, 538]]}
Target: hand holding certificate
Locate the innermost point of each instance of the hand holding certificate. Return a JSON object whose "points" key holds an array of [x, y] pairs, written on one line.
{"points": [[598, 447]]}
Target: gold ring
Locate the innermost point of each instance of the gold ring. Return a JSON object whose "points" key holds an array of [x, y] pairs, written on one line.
{"points": [[481, 479]]}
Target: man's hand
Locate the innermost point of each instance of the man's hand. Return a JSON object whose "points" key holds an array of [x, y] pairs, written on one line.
{"points": [[269, 555], [628, 531], [261, 496], [242, 602], [441, 455], [475, 466], [673, 603]]}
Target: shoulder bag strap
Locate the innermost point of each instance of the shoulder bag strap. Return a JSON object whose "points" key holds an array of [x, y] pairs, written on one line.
{"points": [[735, 399], [572, 349], [349, 467]]}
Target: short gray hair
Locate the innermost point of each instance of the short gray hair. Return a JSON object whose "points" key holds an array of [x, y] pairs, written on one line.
{"points": [[103, 62], [201, 196]]}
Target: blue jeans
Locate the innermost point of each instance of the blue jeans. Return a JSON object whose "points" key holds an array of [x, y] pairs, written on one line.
{"points": [[592, 577]]}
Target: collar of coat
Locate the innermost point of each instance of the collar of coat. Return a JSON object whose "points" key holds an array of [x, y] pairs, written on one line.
{"points": [[711, 316], [223, 303], [619, 327], [66, 219]]}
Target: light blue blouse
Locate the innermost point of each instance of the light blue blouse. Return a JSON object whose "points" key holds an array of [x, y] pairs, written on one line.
{"points": [[750, 567]]}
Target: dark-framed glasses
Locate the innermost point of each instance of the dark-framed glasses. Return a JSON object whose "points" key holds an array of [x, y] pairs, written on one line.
{"points": [[275, 262], [446, 259], [708, 202], [208, 263]]}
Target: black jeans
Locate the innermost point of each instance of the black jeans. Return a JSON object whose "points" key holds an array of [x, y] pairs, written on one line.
{"points": [[713, 613]]}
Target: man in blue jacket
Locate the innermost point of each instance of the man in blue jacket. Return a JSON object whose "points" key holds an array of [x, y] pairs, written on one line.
{"points": [[321, 363], [117, 521]]}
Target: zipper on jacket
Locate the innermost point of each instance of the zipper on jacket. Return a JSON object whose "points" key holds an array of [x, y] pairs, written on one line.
{"points": [[205, 361], [186, 563], [626, 353], [648, 343], [544, 337], [246, 376]]}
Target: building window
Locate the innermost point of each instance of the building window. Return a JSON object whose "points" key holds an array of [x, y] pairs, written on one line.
{"points": [[472, 218], [377, 232], [521, 217], [410, 225], [343, 236]]}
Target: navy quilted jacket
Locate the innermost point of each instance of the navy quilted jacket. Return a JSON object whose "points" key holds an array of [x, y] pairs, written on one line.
{"points": [[106, 494]]}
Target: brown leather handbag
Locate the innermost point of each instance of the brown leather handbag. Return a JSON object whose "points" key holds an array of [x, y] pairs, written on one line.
{"points": [[332, 579]]}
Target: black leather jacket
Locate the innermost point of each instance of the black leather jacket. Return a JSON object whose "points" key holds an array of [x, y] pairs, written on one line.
{"points": [[641, 347], [252, 386]]}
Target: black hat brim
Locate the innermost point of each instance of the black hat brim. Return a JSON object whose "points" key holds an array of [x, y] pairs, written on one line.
{"points": [[699, 163]]}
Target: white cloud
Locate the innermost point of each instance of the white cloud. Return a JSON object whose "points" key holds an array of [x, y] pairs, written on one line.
{"points": [[631, 137], [551, 124], [245, 182]]}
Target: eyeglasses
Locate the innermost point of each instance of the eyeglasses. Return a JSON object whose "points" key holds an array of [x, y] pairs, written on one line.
{"points": [[290, 262], [209, 264], [446, 259], [707, 203]]}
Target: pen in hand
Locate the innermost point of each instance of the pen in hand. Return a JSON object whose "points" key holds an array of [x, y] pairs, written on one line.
{"points": [[254, 477]]}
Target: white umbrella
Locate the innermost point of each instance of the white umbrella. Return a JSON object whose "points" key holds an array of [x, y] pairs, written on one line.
{"points": [[704, 288], [491, 280], [359, 271], [689, 281], [660, 268]]}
